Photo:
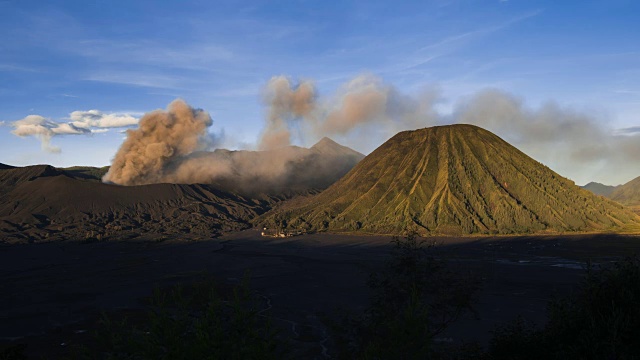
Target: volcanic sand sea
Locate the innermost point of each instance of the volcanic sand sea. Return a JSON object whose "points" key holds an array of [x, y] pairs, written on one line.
{"points": [[52, 293]]}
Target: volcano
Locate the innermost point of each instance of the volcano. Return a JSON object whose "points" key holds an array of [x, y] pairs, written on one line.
{"points": [[456, 179], [43, 203]]}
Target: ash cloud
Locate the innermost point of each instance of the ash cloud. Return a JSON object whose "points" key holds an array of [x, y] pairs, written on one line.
{"points": [[577, 144], [364, 107], [287, 103], [172, 145], [162, 138]]}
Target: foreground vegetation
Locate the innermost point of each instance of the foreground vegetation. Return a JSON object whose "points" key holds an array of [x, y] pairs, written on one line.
{"points": [[600, 321], [415, 297]]}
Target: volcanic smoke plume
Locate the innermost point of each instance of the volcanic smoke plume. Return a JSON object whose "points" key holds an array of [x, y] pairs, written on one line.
{"points": [[286, 104], [363, 107], [161, 138], [363, 113], [172, 146]]}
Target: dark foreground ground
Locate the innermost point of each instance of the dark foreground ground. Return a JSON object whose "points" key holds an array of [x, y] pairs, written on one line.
{"points": [[52, 294]]}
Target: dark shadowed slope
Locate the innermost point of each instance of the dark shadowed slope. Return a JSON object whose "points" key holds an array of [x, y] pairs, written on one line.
{"points": [[599, 189], [42, 202], [452, 180], [87, 172], [628, 194], [11, 176]]}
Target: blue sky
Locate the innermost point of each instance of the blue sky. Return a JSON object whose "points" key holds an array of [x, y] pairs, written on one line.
{"points": [[130, 57]]}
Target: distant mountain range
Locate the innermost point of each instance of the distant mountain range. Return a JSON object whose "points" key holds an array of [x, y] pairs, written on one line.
{"points": [[626, 194], [599, 189], [457, 179]]}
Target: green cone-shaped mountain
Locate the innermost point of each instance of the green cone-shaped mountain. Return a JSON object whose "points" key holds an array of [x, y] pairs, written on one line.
{"points": [[457, 179]]}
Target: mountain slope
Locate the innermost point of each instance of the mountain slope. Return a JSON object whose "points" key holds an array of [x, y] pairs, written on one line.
{"points": [[456, 179], [628, 194], [11, 176]]}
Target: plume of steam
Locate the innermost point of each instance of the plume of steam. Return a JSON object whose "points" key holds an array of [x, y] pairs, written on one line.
{"points": [[162, 137], [287, 103], [45, 129]]}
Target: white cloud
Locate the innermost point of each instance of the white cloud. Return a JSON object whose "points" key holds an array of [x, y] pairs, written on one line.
{"points": [[38, 125], [96, 118], [45, 129], [82, 123]]}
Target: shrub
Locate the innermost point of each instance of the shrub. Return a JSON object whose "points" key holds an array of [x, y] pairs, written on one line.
{"points": [[200, 325], [600, 321]]}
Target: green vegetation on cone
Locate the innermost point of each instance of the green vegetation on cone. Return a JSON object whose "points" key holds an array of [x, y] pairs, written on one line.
{"points": [[452, 180]]}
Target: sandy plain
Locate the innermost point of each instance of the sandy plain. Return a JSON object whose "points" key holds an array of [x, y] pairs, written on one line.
{"points": [[52, 294]]}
